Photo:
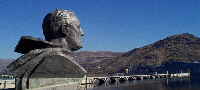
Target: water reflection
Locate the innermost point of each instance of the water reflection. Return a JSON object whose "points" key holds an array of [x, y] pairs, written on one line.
{"points": [[164, 84]]}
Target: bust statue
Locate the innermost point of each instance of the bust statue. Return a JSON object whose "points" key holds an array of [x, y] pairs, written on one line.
{"points": [[47, 63], [62, 27]]}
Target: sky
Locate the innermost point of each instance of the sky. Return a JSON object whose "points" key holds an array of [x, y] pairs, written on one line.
{"points": [[109, 25]]}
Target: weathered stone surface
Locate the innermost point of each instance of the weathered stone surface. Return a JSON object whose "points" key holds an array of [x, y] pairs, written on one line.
{"points": [[46, 63], [28, 43], [56, 66], [49, 62], [62, 27]]}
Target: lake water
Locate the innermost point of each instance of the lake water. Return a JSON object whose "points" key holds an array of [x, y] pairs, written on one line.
{"points": [[164, 84]]}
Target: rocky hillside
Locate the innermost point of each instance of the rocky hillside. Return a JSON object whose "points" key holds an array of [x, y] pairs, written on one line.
{"points": [[93, 61], [182, 48], [94, 56]]}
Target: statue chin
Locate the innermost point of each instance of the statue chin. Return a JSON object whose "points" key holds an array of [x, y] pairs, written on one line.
{"points": [[75, 48]]}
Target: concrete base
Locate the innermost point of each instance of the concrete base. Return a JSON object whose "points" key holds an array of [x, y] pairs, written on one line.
{"points": [[50, 84], [61, 87]]}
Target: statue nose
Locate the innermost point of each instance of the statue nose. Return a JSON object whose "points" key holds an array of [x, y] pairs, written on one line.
{"points": [[82, 33]]}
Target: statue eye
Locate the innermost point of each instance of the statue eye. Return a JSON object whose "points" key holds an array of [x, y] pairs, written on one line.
{"points": [[64, 15]]}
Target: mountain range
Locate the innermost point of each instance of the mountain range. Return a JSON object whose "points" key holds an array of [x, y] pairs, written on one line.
{"points": [[177, 48]]}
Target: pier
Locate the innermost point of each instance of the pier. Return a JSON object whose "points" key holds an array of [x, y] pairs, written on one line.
{"points": [[121, 79]]}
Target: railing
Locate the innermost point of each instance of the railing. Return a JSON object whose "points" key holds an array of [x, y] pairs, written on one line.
{"points": [[7, 81], [92, 80]]}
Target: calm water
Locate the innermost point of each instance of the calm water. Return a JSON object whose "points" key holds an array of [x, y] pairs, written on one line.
{"points": [[166, 84]]}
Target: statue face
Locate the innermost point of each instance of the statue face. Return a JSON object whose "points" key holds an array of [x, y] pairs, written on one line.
{"points": [[63, 27], [71, 29]]}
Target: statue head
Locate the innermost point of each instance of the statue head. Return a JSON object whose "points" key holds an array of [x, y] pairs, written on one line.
{"points": [[62, 27]]}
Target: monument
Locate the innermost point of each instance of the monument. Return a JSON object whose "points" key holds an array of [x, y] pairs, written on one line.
{"points": [[48, 64]]}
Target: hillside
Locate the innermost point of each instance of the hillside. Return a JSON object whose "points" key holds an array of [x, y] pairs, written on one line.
{"points": [[182, 48], [91, 57], [93, 61]]}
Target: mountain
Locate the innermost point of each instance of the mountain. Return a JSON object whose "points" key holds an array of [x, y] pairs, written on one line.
{"points": [[93, 61], [94, 56], [178, 48]]}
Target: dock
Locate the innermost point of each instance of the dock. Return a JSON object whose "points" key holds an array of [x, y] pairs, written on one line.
{"points": [[121, 79]]}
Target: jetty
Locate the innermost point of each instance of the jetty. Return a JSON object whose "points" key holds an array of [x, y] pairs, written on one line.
{"points": [[121, 79]]}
